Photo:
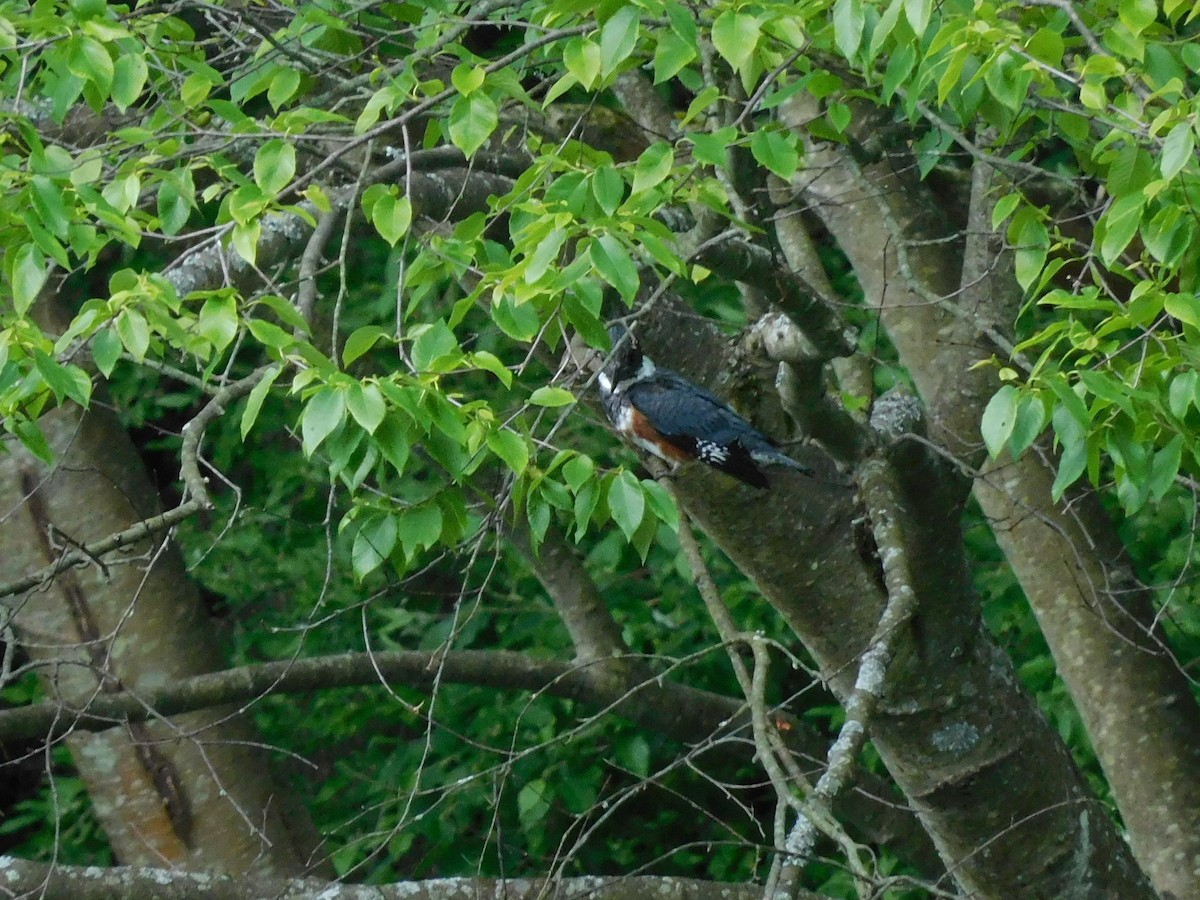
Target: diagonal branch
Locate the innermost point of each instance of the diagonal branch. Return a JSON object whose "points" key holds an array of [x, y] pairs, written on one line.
{"points": [[95, 550]]}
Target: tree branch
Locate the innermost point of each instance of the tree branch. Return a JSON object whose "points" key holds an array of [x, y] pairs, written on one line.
{"points": [[880, 495], [448, 192], [90, 552], [56, 882], [193, 433]]}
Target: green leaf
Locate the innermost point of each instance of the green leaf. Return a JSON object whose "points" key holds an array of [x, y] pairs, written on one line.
{"points": [[287, 312], [578, 471], [31, 437], [1120, 224], [1070, 406], [849, 20], [775, 151], [392, 439], [883, 28], [653, 166], [467, 78], [839, 116], [615, 265], [1070, 466], [284, 84], [1031, 419], [255, 400], [587, 498], [472, 120], [661, 503], [1137, 15], [28, 274], [218, 321], [1177, 150], [511, 448], [420, 527], [50, 205], [129, 77], [390, 214], [1164, 467], [323, 414], [626, 503], [582, 59], [618, 37], [489, 362], [1032, 240], [134, 331], [1004, 208], [361, 340], [544, 255], [375, 540], [519, 321], [88, 59], [176, 197], [1182, 392], [634, 754], [366, 405], [533, 803], [269, 334], [274, 166], [106, 350], [671, 54], [713, 149], [245, 240], [432, 343], [608, 187], [1184, 307], [998, 419], [67, 381], [735, 36], [918, 12], [551, 396]]}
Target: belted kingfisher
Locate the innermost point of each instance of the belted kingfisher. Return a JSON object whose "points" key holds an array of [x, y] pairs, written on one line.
{"points": [[678, 421]]}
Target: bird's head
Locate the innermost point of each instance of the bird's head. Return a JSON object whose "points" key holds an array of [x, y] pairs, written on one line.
{"points": [[626, 363]]}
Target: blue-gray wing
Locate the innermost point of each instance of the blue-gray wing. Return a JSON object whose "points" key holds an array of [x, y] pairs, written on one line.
{"points": [[700, 424]]}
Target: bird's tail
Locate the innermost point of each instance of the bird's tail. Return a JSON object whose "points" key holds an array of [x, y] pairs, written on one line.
{"points": [[771, 456]]}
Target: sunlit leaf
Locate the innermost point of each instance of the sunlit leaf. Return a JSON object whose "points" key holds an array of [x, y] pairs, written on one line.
{"points": [[323, 414]]}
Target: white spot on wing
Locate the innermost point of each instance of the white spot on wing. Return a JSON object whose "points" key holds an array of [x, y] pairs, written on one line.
{"points": [[605, 382], [712, 453]]}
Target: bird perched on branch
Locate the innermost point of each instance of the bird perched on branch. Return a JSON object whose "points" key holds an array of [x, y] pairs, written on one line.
{"points": [[678, 421]]}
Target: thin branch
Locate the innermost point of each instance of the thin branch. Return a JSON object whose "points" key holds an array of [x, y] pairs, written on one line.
{"points": [[131, 535], [772, 754], [193, 432], [310, 261]]}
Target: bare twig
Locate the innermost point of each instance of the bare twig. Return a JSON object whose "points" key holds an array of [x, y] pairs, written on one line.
{"points": [[96, 549]]}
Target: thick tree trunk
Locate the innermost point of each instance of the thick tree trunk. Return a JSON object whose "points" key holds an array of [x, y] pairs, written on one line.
{"points": [[190, 791], [1010, 813], [1068, 563], [1132, 696]]}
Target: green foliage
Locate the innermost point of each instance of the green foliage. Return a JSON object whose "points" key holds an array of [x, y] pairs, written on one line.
{"points": [[420, 410]]}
